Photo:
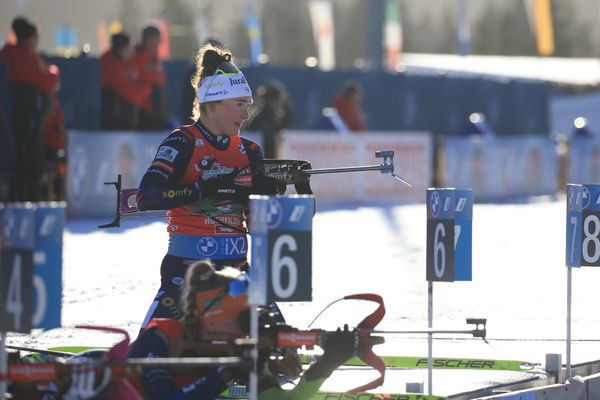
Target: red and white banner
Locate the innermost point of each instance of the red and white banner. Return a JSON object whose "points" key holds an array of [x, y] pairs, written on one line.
{"points": [[412, 162]]}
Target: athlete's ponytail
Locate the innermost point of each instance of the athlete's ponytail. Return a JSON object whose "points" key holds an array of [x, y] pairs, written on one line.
{"points": [[208, 59]]}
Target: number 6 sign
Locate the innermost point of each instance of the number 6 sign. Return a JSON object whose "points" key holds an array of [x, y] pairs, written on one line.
{"points": [[449, 234], [281, 237], [440, 235]]}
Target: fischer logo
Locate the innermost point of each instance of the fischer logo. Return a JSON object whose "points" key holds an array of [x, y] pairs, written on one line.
{"points": [[375, 396], [458, 363]]}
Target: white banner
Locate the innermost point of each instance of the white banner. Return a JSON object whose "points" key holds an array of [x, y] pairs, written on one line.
{"points": [[412, 162]]}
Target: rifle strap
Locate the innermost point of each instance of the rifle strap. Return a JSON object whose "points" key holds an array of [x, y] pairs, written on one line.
{"points": [[366, 354]]}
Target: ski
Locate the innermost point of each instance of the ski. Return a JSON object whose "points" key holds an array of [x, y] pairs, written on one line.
{"points": [[407, 362]]}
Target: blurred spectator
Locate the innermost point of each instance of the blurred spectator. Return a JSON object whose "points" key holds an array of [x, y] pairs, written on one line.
{"points": [[153, 112], [348, 105], [123, 94], [32, 82], [477, 126], [55, 135], [273, 113], [581, 129]]}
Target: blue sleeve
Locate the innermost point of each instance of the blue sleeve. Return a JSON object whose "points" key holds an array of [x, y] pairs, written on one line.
{"points": [[158, 383], [159, 188]]}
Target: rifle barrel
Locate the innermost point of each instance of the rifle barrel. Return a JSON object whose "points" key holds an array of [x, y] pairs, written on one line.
{"points": [[381, 167]]}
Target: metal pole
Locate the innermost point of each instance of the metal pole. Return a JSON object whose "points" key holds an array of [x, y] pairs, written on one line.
{"points": [[430, 338], [3, 365], [253, 382], [569, 284]]}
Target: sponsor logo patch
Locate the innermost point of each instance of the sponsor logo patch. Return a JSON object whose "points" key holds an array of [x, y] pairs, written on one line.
{"points": [[167, 153]]}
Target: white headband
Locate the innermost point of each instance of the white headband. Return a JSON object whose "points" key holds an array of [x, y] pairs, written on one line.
{"points": [[224, 86]]}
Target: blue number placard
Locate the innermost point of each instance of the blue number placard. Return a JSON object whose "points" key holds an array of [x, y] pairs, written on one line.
{"points": [[574, 224], [440, 234], [463, 234], [17, 223], [590, 238], [47, 281], [281, 235]]}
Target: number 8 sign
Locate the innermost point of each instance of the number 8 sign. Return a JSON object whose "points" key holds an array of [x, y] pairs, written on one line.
{"points": [[281, 237], [590, 226]]}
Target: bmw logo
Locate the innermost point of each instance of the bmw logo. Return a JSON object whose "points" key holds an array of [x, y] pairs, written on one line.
{"points": [[274, 213], [207, 246], [587, 197], [178, 280]]}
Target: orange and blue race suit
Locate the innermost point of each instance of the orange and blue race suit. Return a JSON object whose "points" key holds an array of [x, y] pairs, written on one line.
{"points": [[204, 221]]}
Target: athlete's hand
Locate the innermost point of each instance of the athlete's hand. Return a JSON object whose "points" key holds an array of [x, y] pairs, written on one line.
{"points": [[338, 347], [224, 187]]}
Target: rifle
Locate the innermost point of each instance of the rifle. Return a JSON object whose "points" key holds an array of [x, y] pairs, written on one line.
{"points": [[288, 172]]}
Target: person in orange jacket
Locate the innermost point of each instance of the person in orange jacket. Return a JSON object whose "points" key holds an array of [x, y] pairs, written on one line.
{"points": [[152, 75], [348, 105], [32, 82], [123, 93]]}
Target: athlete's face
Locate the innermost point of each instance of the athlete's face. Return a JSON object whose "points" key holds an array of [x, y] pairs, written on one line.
{"points": [[230, 115]]}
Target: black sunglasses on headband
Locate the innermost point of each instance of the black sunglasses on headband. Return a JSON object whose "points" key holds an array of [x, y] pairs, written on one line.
{"points": [[226, 68]]}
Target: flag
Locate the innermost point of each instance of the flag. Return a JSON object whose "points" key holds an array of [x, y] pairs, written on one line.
{"points": [[464, 30], [321, 16], [544, 30], [253, 27], [392, 35]]}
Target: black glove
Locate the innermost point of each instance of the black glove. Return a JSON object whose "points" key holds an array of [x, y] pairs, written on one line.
{"points": [[262, 184], [223, 187], [338, 347]]}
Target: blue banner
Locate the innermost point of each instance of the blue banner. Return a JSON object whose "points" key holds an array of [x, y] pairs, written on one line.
{"points": [[584, 160], [47, 281], [501, 169]]}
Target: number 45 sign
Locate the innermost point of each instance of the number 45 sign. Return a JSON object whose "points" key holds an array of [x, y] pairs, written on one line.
{"points": [[449, 234], [281, 234]]}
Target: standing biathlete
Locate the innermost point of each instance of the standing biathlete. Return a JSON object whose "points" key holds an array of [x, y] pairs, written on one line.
{"points": [[203, 174]]}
